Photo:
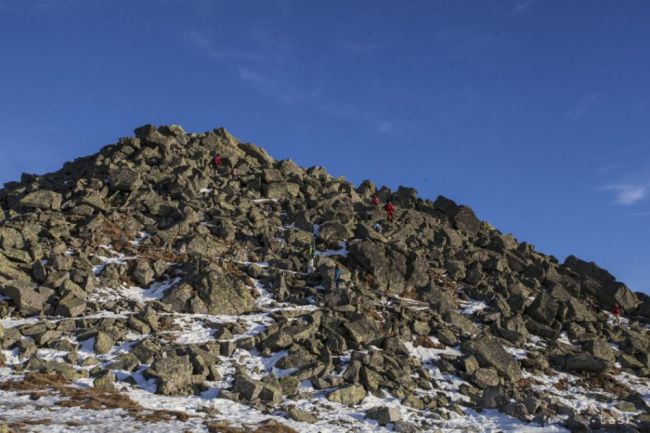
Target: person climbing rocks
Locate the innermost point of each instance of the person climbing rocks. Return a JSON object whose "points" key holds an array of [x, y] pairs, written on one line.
{"points": [[375, 200], [616, 311], [390, 211], [337, 276], [217, 160], [311, 254], [310, 266]]}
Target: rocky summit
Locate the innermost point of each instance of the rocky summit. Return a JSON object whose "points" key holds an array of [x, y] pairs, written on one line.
{"points": [[154, 287]]}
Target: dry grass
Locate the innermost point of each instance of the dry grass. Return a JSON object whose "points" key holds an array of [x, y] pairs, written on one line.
{"points": [[270, 426], [606, 383], [23, 425], [36, 385], [527, 382], [426, 342], [561, 385]]}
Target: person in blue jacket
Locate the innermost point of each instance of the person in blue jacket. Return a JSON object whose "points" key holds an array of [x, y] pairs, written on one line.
{"points": [[337, 276]]}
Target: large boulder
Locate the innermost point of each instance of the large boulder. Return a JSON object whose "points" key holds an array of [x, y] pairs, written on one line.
{"points": [[280, 190], [250, 389], [600, 349], [204, 246], [103, 343], [11, 238], [125, 179], [370, 255], [578, 311], [334, 232], [349, 395], [42, 199], [9, 271], [247, 388], [384, 415], [143, 273], [490, 353], [257, 153], [211, 288], [405, 196], [24, 296], [543, 309], [174, 373], [70, 306], [601, 284], [582, 362], [465, 220], [363, 330], [387, 266]]}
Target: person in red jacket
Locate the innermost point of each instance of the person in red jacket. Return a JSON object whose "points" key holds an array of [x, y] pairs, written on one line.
{"points": [[616, 311], [390, 211], [375, 200], [217, 160]]}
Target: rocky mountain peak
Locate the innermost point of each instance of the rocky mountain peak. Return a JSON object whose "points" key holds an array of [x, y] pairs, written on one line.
{"points": [[155, 265]]}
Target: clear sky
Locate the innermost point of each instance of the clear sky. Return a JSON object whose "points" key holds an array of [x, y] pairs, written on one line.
{"points": [[536, 113]]}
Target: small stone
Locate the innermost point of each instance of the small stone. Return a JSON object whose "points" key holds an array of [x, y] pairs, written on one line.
{"points": [[349, 395], [625, 406], [383, 414], [300, 415], [103, 343], [104, 381], [41, 199]]}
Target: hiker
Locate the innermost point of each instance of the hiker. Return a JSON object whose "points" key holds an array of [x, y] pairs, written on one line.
{"points": [[616, 311], [310, 266], [378, 228], [390, 211], [217, 160], [311, 254], [375, 200], [337, 276]]}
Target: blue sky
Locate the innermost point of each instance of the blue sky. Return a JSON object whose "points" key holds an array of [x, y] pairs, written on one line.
{"points": [[534, 112]]}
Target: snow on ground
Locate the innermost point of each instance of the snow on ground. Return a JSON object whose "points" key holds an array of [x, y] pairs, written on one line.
{"points": [[564, 338], [45, 415], [12, 357], [472, 306], [155, 291], [448, 383], [332, 417], [640, 385], [8, 322], [517, 353], [426, 355], [491, 421], [563, 386], [141, 237], [120, 259]]}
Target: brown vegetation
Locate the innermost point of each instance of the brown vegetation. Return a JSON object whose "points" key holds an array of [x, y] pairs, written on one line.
{"points": [[87, 398]]}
